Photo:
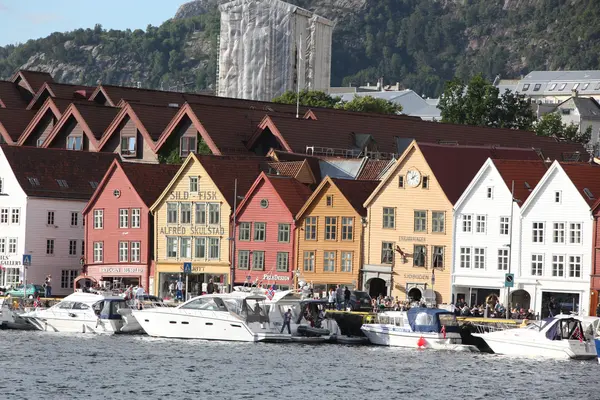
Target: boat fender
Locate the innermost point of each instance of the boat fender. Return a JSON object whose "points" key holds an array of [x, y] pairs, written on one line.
{"points": [[421, 342]]}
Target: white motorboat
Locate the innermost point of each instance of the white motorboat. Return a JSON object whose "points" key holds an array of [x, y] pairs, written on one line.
{"points": [[237, 316], [81, 312], [11, 318], [559, 337], [591, 330], [418, 327]]}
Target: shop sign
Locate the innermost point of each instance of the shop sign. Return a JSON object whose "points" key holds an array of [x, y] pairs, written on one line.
{"points": [[8, 261], [412, 239], [124, 270], [193, 231], [195, 269], [416, 276], [207, 195], [267, 277]]}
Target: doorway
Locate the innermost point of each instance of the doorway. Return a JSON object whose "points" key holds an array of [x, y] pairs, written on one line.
{"points": [[520, 299], [377, 287], [415, 294]]}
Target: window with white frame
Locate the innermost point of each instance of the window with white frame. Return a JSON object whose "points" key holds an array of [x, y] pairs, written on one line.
{"points": [[136, 216], [67, 277], [50, 218], [558, 265], [504, 225], [538, 232], [260, 229], [200, 248], [49, 247], [283, 233], [15, 216], [503, 259], [387, 252], [309, 261], [123, 218], [98, 219], [244, 235], [4, 216], [465, 257], [72, 247], [283, 261], [389, 217], [438, 220], [172, 213], [214, 213], [537, 264], [200, 213], [185, 247], [12, 246], [83, 247], [172, 244], [329, 201], [480, 223], [490, 192], [467, 223], [558, 197], [98, 252], [346, 261], [258, 260], [193, 184], [11, 276], [328, 261], [213, 248], [330, 228], [135, 251], [575, 233], [419, 255], [186, 213], [558, 232], [479, 258], [74, 218], [2, 246], [1, 185], [575, 267], [123, 251], [243, 259], [347, 228]]}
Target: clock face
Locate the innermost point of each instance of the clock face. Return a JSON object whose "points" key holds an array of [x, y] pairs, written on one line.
{"points": [[413, 178]]}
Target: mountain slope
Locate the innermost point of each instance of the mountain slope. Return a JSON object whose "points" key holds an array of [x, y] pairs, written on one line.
{"points": [[421, 43]]}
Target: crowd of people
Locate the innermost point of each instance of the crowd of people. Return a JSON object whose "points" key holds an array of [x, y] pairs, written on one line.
{"points": [[493, 309]]}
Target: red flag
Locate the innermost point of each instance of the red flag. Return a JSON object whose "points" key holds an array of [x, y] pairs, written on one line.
{"points": [[578, 334], [444, 331]]}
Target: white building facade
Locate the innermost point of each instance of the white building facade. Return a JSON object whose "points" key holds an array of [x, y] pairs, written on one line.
{"points": [[556, 248], [482, 237]]}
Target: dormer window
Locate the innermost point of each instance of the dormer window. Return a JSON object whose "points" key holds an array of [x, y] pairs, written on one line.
{"points": [[62, 183], [40, 141], [33, 181], [75, 143], [93, 184], [128, 146], [187, 146]]}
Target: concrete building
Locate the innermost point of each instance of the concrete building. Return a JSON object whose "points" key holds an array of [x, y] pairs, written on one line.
{"points": [[268, 47]]}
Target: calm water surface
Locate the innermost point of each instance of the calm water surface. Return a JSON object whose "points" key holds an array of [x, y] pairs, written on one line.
{"points": [[40, 365]]}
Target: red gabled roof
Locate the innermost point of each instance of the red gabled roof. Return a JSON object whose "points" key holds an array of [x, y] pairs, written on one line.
{"points": [[292, 192], [285, 168], [12, 96], [154, 118], [586, 178], [55, 106], [149, 180], [356, 192], [13, 122], [60, 90], [372, 170], [33, 79], [455, 167], [46, 166], [96, 117], [313, 162], [525, 173]]}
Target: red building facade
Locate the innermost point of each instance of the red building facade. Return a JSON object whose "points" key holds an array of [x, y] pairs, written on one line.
{"points": [[118, 226], [265, 231], [595, 278]]}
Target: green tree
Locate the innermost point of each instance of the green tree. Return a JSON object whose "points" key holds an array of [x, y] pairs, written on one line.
{"points": [[551, 125], [308, 98], [370, 104], [479, 103]]}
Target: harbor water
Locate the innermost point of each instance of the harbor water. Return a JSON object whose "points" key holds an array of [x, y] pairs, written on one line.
{"points": [[40, 365]]}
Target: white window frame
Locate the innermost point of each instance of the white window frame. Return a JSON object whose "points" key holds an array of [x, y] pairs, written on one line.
{"points": [[465, 257], [575, 266], [467, 223], [559, 232], [558, 265], [123, 251], [214, 248], [346, 261], [328, 261], [50, 218], [74, 218], [15, 216], [13, 245], [537, 231], [308, 261], [194, 184], [575, 231], [244, 259], [123, 218], [136, 251], [479, 258], [99, 218], [98, 252], [72, 247], [504, 225], [4, 216], [537, 265], [136, 218], [50, 247], [481, 224], [503, 255]]}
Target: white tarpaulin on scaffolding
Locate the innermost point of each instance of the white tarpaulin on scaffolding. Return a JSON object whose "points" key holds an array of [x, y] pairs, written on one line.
{"points": [[258, 46]]}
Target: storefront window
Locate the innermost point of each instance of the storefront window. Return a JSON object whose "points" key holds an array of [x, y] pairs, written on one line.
{"points": [[168, 283], [9, 277]]}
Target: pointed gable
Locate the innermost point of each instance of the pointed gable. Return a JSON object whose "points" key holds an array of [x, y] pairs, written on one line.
{"points": [[525, 173], [43, 122], [59, 90], [31, 80], [13, 122], [13, 96], [586, 178]]}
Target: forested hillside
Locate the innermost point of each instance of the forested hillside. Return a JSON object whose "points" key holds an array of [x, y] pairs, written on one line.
{"points": [[420, 43]]}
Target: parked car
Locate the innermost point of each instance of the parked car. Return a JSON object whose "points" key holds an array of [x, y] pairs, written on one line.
{"points": [[32, 291], [359, 301]]}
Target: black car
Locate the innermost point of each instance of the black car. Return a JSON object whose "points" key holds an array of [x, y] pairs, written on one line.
{"points": [[359, 301]]}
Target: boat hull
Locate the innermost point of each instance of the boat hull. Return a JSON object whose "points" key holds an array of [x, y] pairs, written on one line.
{"points": [[383, 335], [157, 323], [558, 349], [102, 326]]}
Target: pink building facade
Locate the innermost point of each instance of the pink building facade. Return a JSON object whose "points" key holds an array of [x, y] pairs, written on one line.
{"points": [[119, 227], [265, 230]]}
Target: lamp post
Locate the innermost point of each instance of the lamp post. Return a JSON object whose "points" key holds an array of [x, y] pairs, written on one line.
{"points": [[510, 235], [233, 235]]}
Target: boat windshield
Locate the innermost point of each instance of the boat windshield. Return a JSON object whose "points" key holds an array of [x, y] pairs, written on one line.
{"points": [[397, 320], [448, 319], [254, 310], [205, 303]]}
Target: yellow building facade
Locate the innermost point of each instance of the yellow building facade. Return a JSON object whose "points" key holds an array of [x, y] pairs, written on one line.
{"points": [[191, 225], [408, 239]]}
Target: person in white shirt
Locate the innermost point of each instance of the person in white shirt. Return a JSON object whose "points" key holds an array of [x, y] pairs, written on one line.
{"points": [[179, 295]]}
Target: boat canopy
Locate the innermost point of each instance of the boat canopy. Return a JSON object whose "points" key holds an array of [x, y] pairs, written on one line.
{"points": [[428, 319]]}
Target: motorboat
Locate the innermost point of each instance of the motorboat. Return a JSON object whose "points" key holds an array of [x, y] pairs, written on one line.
{"points": [[558, 337], [237, 316], [591, 330], [131, 324], [10, 318], [81, 312], [419, 327]]}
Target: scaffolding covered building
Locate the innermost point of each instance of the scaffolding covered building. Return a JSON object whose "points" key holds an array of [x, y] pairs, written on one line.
{"points": [[266, 45]]}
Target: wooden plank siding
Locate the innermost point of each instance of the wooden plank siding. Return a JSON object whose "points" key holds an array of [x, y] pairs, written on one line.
{"points": [[144, 151], [319, 209], [406, 201], [71, 128]]}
